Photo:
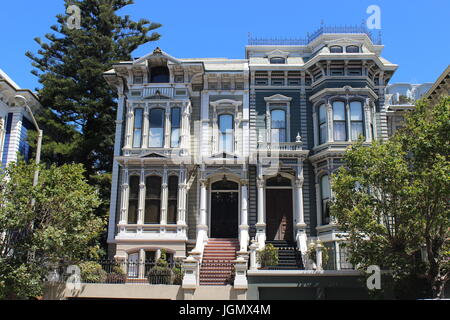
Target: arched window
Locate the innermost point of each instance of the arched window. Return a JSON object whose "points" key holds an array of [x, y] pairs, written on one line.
{"points": [[336, 49], [278, 181], [152, 200], [278, 126], [323, 124], [156, 135], [339, 121], [277, 60], [352, 49], [133, 200], [172, 207], [225, 185], [356, 120], [137, 131], [176, 128], [160, 75], [325, 194], [226, 132]]}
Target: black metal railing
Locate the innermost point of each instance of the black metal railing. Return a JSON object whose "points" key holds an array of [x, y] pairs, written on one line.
{"points": [[312, 36], [119, 272]]}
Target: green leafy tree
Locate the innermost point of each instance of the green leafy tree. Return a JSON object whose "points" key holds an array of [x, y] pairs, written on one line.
{"points": [[44, 225], [392, 199], [79, 111]]}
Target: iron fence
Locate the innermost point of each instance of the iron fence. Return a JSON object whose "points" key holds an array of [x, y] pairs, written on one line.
{"points": [[119, 272]]}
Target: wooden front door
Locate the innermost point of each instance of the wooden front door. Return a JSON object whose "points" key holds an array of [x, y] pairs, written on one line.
{"points": [[224, 215], [279, 214]]}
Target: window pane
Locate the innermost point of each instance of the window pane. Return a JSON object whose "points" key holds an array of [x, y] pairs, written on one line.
{"points": [[325, 187], [356, 111], [357, 130], [153, 187], [137, 136], [278, 119], [156, 128], [352, 49], [336, 49], [152, 212], [339, 131], [339, 110], [226, 141], [322, 114], [152, 200], [133, 202], [325, 194], [176, 124], [323, 133]]}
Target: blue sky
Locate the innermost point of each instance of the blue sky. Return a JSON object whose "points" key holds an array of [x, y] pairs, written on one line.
{"points": [[416, 34]]}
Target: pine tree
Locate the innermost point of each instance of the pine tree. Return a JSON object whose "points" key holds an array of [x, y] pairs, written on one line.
{"points": [[79, 107]]}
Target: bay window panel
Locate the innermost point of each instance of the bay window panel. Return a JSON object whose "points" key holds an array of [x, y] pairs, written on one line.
{"points": [[176, 128], [325, 198], [137, 131], [172, 207], [356, 120], [226, 128], [339, 121], [323, 125], [278, 126], [152, 200], [156, 134], [133, 200]]}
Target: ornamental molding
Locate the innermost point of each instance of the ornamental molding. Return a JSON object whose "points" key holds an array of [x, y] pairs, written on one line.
{"points": [[278, 98]]}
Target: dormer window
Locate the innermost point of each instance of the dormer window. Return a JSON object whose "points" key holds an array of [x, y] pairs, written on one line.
{"points": [[277, 60], [336, 49], [159, 75], [352, 49]]}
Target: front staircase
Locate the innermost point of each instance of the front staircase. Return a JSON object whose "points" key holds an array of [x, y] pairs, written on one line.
{"points": [[289, 257], [217, 265]]}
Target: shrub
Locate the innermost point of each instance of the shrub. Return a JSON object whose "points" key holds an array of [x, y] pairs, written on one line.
{"points": [[312, 254], [177, 274], [268, 256], [116, 275], [92, 272], [161, 272]]}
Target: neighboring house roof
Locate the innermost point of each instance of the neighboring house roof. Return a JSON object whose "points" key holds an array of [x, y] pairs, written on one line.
{"points": [[440, 87]]}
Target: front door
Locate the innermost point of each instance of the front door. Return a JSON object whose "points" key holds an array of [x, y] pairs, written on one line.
{"points": [[224, 214], [279, 214]]}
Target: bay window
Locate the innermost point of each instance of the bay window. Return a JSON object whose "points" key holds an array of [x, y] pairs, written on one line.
{"points": [[278, 126], [156, 134], [339, 121]]}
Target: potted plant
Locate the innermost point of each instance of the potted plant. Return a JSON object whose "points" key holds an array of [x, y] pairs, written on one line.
{"points": [[312, 255], [161, 273], [268, 256], [178, 274]]}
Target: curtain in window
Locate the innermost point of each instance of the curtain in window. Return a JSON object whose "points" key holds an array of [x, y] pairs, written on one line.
{"points": [[176, 128], [133, 200], [137, 133], [153, 200], [356, 119], [226, 128], [325, 196], [339, 121], [156, 134], [323, 125], [172, 207], [278, 126]]}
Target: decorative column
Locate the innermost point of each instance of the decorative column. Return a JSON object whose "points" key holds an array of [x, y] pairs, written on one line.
{"points": [[299, 210], [146, 128], [141, 264], [182, 187], [141, 207], [243, 228], [348, 122], [129, 126], [167, 127], [164, 198], [261, 225], [318, 204], [125, 195], [330, 122], [367, 121], [202, 227], [319, 247], [315, 128]]}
